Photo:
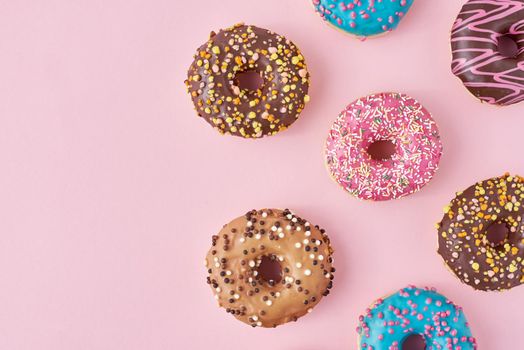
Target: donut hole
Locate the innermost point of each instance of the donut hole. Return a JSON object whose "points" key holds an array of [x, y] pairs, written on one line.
{"points": [[414, 342], [249, 80], [382, 150], [497, 233], [269, 270], [508, 46]]}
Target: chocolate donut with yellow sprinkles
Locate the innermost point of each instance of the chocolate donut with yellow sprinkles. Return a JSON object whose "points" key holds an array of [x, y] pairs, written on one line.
{"points": [[468, 240], [213, 85], [301, 251]]}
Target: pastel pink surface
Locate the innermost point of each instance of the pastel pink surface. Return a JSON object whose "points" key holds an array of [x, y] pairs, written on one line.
{"points": [[111, 187]]}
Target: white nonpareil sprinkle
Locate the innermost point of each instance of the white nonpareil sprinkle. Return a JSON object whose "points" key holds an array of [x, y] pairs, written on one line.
{"points": [[269, 302], [299, 265], [307, 272], [251, 263], [298, 245], [321, 257], [281, 235]]}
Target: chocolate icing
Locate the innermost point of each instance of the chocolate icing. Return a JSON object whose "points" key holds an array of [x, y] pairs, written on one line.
{"points": [[248, 113], [463, 234], [303, 251], [477, 61]]}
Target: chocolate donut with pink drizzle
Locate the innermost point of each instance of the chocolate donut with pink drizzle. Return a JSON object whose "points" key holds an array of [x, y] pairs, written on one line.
{"points": [[396, 119], [489, 74]]}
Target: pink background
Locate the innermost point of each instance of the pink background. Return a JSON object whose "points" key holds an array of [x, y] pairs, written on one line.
{"points": [[111, 187]]}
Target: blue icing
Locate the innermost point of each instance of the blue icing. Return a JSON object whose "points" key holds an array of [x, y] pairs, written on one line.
{"points": [[415, 311], [363, 17]]}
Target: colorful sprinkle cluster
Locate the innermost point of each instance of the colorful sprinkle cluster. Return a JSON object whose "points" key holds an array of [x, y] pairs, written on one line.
{"points": [[363, 18], [414, 311], [303, 252], [383, 117], [220, 99], [465, 245]]}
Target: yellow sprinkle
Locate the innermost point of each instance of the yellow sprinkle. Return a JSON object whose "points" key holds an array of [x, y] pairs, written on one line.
{"points": [[252, 115], [216, 50], [306, 98], [475, 266]]}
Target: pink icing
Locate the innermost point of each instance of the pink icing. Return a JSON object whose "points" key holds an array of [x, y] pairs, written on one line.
{"points": [[385, 116]]}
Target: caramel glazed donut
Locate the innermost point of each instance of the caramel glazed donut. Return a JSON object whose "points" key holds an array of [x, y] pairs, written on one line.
{"points": [[213, 85], [463, 234], [302, 250]]}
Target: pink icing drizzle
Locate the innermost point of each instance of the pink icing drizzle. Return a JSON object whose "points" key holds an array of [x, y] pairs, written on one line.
{"points": [[482, 67], [385, 116]]}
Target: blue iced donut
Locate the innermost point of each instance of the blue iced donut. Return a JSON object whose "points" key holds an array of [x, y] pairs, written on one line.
{"points": [[413, 311], [363, 18]]}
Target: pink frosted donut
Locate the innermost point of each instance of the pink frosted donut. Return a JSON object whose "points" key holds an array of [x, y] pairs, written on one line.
{"points": [[392, 117]]}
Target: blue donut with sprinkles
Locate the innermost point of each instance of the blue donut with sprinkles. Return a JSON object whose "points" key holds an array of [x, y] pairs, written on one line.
{"points": [[363, 18], [415, 312]]}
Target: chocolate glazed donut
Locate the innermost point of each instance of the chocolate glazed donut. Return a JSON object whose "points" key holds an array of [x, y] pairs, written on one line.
{"points": [[231, 109], [467, 243], [477, 60]]}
